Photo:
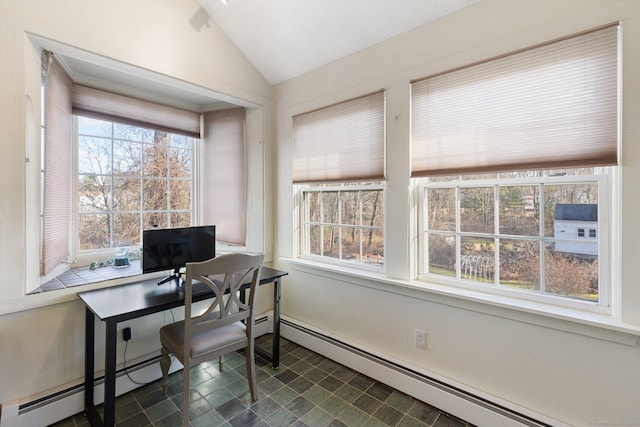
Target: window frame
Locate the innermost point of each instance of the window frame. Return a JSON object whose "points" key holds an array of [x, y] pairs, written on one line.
{"points": [[607, 192], [302, 237], [82, 258]]}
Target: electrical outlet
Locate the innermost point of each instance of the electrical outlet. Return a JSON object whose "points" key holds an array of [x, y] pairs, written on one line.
{"points": [[421, 339]]}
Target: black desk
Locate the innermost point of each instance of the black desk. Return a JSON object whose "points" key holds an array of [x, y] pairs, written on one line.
{"points": [[125, 302]]}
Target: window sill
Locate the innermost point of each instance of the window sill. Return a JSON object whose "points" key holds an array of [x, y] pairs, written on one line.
{"points": [[594, 325]]}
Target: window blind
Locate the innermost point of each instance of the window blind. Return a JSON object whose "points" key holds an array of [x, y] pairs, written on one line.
{"points": [[224, 174], [57, 167], [549, 106], [341, 142], [99, 104]]}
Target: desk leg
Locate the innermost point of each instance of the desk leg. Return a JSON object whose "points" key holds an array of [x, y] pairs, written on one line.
{"points": [[275, 351], [110, 374], [89, 363]]}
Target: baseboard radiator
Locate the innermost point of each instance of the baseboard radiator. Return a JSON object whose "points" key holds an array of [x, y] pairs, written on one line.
{"points": [[470, 405]]}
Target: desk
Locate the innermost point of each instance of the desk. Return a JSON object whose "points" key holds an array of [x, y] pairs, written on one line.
{"points": [[125, 302]]}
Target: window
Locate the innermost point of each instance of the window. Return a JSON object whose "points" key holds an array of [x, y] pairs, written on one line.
{"points": [[130, 179], [513, 158], [344, 222], [136, 166], [338, 165], [509, 231]]}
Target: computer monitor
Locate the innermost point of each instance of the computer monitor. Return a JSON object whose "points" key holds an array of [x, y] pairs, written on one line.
{"points": [[172, 248]]}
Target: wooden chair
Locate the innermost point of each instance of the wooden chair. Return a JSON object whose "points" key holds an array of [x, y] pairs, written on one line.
{"points": [[226, 325]]}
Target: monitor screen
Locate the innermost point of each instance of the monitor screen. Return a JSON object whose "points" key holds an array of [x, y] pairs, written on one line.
{"points": [[171, 248]]}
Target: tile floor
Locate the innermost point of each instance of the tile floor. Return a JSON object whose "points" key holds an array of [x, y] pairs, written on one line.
{"points": [[307, 390]]}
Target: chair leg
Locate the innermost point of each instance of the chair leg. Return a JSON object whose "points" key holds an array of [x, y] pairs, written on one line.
{"points": [[221, 363], [251, 371], [186, 393], [165, 364]]}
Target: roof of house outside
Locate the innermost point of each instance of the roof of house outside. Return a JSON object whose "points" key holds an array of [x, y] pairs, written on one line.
{"points": [[576, 212]]}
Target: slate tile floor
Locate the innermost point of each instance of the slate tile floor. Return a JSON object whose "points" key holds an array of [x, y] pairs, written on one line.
{"points": [[307, 390]]}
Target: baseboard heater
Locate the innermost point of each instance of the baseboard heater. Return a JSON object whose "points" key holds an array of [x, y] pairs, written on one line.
{"points": [[452, 399]]}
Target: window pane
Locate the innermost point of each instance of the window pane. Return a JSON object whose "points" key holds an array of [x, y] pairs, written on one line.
{"points": [[180, 219], [373, 208], [350, 242], [155, 161], [155, 194], [520, 263], [373, 246], [441, 205], [313, 236], [570, 274], [569, 195], [180, 194], [155, 219], [181, 141], [94, 231], [94, 193], [331, 241], [94, 127], [94, 155], [131, 133], [312, 205], [519, 213], [127, 158], [330, 207], [442, 254], [477, 258], [126, 194], [350, 204], [180, 163], [126, 229], [477, 209]]}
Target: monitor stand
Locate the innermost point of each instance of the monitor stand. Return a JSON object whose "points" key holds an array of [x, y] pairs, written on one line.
{"points": [[173, 276]]}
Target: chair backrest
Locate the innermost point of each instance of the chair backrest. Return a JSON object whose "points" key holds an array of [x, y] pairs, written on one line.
{"points": [[224, 275]]}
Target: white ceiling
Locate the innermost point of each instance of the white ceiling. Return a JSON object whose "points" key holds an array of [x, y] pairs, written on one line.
{"points": [[287, 38], [281, 38]]}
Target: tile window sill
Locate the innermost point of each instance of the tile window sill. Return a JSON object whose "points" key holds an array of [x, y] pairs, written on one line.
{"points": [[85, 276]]}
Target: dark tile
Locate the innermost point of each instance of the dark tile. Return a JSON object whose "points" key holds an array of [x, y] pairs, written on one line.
{"points": [[281, 419], [245, 419], [172, 420], [315, 375], [380, 391], [265, 407], [388, 415], [299, 406], [231, 408], [424, 412], [300, 385], [361, 382], [138, 420], [331, 383], [367, 404], [287, 376]]}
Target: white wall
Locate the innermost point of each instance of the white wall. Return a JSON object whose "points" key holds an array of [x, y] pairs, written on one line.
{"points": [[581, 370], [41, 336]]}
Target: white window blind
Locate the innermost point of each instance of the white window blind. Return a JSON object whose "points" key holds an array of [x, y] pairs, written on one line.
{"points": [[341, 142], [224, 174], [57, 167], [550, 106], [99, 104]]}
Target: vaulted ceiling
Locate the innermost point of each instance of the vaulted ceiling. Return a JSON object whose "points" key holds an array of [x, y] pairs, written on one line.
{"points": [[287, 38]]}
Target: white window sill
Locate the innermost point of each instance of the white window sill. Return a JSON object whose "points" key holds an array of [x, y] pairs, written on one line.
{"points": [[586, 323]]}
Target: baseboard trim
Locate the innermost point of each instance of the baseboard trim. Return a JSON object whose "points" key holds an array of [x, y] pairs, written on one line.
{"points": [[458, 400]]}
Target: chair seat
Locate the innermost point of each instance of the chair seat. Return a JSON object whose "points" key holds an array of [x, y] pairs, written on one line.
{"points": [[173, 337]]}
